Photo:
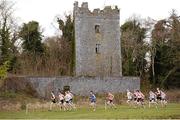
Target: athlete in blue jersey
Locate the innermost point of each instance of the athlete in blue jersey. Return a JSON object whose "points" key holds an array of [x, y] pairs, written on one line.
{"points": [[92, 100]]}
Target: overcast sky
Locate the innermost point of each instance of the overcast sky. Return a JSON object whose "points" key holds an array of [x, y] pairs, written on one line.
{"points": [[44, 11]]}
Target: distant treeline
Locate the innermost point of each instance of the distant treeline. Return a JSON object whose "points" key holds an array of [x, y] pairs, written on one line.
{"points": [[150, 48]]}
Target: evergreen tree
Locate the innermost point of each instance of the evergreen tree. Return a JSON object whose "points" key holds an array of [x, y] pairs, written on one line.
{"points": [[6, 52], [8, 37], [32, 38], [67, 28]]}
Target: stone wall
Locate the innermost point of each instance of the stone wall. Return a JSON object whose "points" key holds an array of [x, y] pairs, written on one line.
{"points": [[82, 85], [107, 62]]}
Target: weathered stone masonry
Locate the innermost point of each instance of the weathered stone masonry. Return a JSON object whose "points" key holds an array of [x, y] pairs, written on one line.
{"points": [[97, 40], [83, 85]]}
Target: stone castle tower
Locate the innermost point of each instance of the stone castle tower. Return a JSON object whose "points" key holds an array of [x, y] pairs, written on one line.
{"points": [[97, 41], [98, 54]]}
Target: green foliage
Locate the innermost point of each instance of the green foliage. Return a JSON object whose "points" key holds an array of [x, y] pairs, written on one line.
{"points": [[164, 69], [67, 28], [8, 35], [133, 48], [23, 106], [31, 37], [3, 70], [7, 94], [5, 42], [18, 85], [137, 33], [165, 53]]}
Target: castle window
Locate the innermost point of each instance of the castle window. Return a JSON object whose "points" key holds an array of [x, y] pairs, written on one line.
{"points": [[98, 48], [97, 29]]}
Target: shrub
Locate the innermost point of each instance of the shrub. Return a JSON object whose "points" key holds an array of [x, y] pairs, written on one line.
{"points": [[8, 94], [23, 106], [18, 85]]}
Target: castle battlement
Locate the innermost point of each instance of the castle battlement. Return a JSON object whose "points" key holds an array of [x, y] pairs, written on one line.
{"points": [[97, 41], [83, 10]]}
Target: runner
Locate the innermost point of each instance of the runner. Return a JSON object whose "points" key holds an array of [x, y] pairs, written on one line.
{"points": [[61, 100], [163, 99], [152, 99], [140, 98], [158, 93], [110, 98], [92, 100], [53, 100], [129, 98], [71, 100], [67, 98]]}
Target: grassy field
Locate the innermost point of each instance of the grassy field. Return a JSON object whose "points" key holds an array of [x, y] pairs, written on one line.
{"points": [[122, 111]]}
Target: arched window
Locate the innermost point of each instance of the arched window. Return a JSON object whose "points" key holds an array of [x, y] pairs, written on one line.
{"points": [[97, 29]]}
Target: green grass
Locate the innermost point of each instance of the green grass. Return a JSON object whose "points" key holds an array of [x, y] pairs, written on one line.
{"points": [[122, 111]]}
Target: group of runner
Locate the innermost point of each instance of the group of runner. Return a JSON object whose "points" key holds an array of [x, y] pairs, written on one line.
{"points": [[65, 100], [133, 99], [137, 98]]}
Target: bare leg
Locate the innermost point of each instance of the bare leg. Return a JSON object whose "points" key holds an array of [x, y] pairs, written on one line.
{"points": [[156, 104], [113, 105], [51, 105], [105, 105], [93, 105], [66, 106], [72, 105]]}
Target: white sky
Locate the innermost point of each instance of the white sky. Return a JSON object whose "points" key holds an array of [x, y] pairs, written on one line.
{"points": [[44, 11]]}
